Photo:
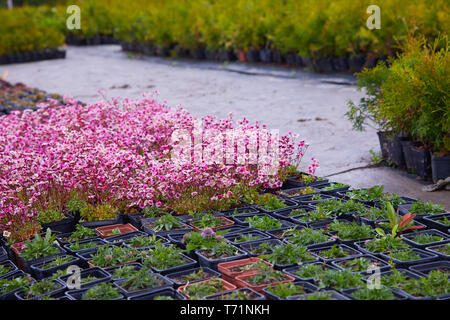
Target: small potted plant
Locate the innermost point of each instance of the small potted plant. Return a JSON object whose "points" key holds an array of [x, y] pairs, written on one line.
{"points": [[330, 252], [407, 257], [165, 225], [124, 271], [80, 233], [237, 238], [308, 271], [422, 209], [166, 259], [7, 268], [144, 241], [282, 291], [82, 246], [382, 293], [361, 264], [339, 280], [333, 188], [230, 270], [41, 289], [237, 294], [36, 250], [426, 238], [201, 289], [208, 220], [441, 250], [307, 237], [101, 291], [48, 267], [349, 232], [88, 277], [12, 283], [262, 277], [143, 281], [111, 256], [320, 295], [181, 278], [440, 222]]}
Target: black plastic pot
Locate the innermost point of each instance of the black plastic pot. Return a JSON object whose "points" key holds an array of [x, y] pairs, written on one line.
{"points": [[352, 253], [252, 55], [198, 54], [433, 222], [291, 271], [10, 295], [356, 63], [381, 265], [324, 65], [137, 266], [9, 264], [100, 275], [409, 238], [265, 55], [189, 263], [63, 226], [218, 296], [398, 294], [235, 236], [186, 228], [292, 194], [334, 295], [166, 284], [174, 275], [244, 210], [290, 204], [27, 263], [286, 214], [424, 258], [98, 241], [159, 293], [3, 255], [158, 238], [119, 239], [333, 191], [277, 57], [340, 64], [424, 269], [20, 295], [290, 59], [440, 167], [249, 247], [296, 184], [212, 263], [39, 272], [435, 250], [120, 219], [307, 286], [78, 294], [417, 160], [224, 55]]}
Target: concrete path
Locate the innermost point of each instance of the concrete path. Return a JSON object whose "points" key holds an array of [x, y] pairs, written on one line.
{"points": [[312, 105]]}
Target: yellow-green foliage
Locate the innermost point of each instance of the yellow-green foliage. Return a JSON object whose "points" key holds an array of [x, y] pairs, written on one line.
{"points": [[309, 27], [412, 95]]}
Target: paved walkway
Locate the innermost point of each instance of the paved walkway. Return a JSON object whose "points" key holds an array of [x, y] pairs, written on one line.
{"points": [[312, 105]]}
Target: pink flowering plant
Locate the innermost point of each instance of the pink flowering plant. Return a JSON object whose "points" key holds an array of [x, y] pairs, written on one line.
{"points": [[115, 156]]}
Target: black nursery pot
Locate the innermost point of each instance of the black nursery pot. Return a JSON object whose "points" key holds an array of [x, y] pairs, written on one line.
{"points": [[166, 284], [307, 286], [409, 238], [10, 265], [64, 226], [324, 65], [433, 222], [20, 295], [3, 254], [266, 55], [340, 64], [356, 63], [395, 153], [291, 271], [99, 274], [159, 293], [252, 55], [10, 295], [120, 219], [174, 275], [188, 263], [217, 296], [416, 159], [212, 263], [424, 269], [334, 295], [40, 272], [78, 294], [424, 258], [440, 167]]}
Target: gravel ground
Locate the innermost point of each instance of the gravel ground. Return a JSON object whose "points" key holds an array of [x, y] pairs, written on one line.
{"points": [[312, 105]]}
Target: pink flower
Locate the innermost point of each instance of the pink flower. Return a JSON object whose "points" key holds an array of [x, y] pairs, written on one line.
{"points": [[208, 232]]}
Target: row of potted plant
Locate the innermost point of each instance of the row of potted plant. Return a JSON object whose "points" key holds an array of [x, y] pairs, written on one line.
{"points": [[411, 116]]}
